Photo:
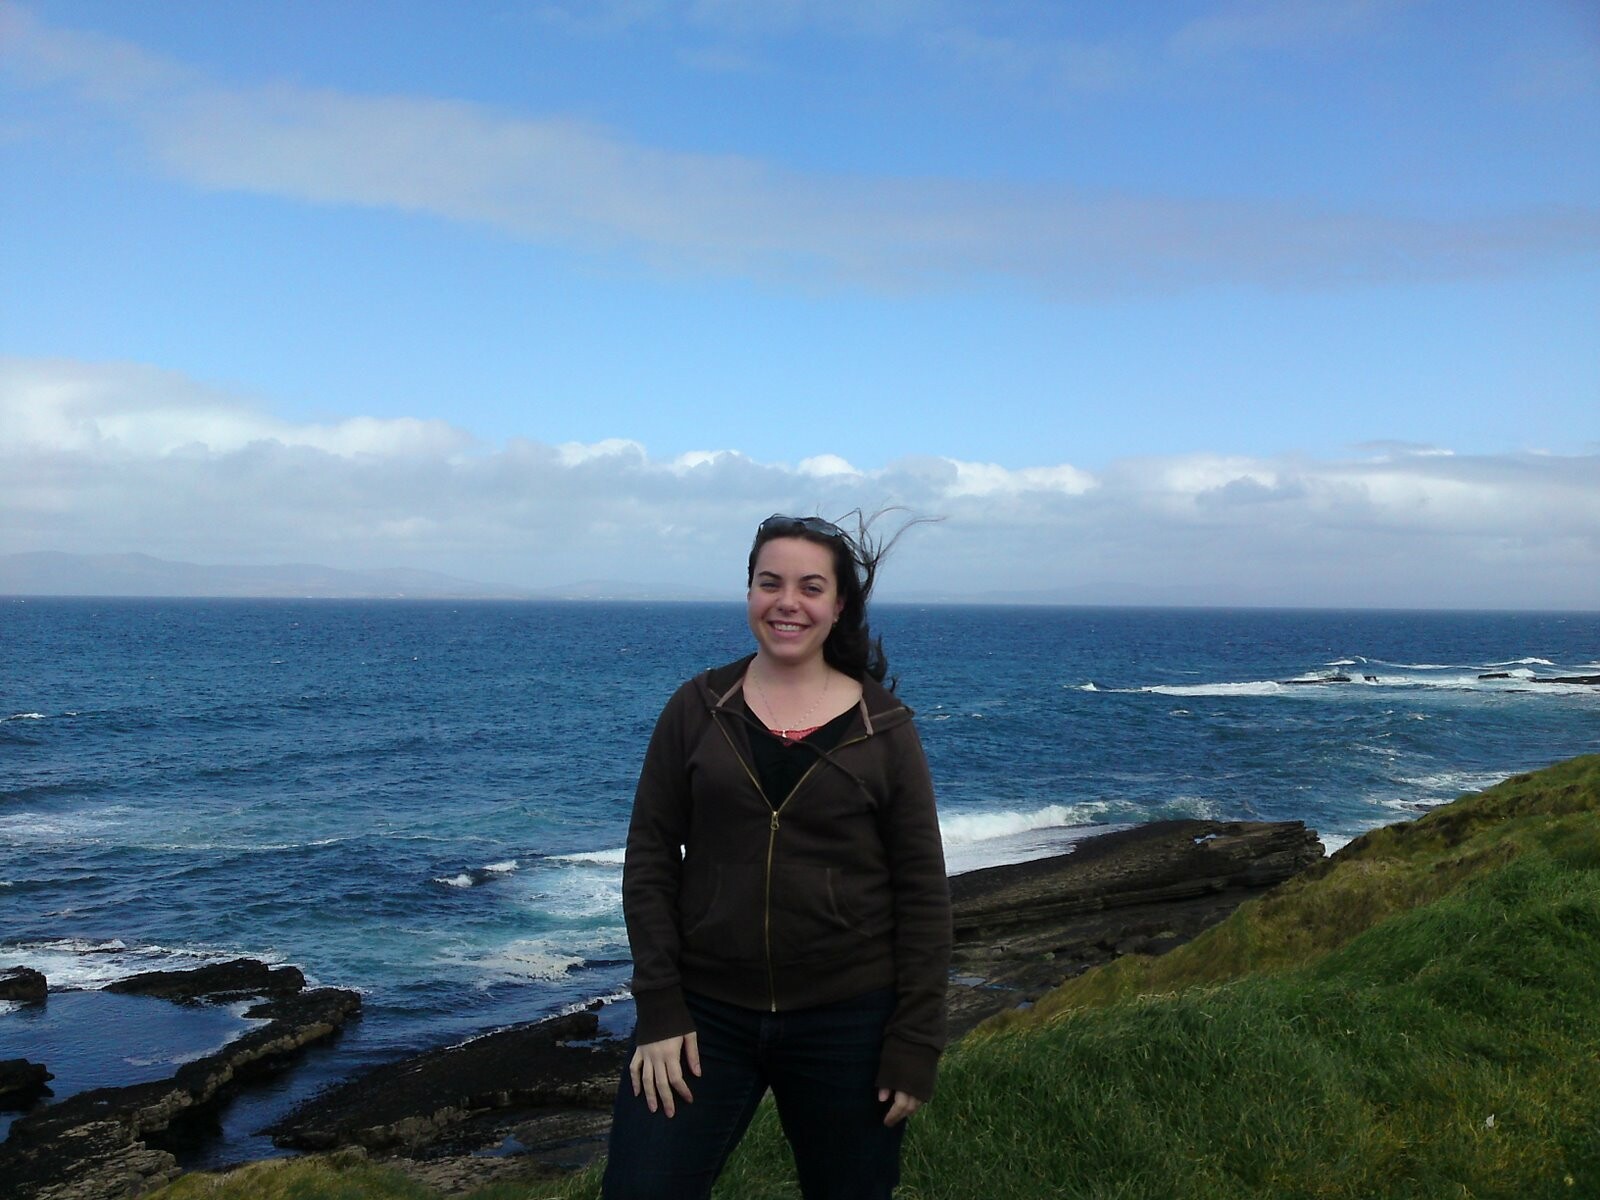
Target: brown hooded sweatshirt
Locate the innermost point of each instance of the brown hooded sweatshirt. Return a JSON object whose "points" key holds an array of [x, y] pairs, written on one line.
{"points": [[785, 902]]}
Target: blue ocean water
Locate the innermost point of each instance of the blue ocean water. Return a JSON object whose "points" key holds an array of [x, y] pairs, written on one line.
{"points": [[427, 801]]}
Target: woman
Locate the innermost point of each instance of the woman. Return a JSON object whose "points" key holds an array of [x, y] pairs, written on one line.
{"points": [[800, 938]]}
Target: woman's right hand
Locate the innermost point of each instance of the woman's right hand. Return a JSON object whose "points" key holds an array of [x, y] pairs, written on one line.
{"points": [[657, 1070]]}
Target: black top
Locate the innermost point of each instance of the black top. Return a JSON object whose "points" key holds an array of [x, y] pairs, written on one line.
{"points": [[781, 762]]}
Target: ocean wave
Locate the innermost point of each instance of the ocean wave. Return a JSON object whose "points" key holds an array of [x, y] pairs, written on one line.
{"points": [[73, 964], [1263, 687], [1523, 662], [27, 716], [965, 829], [608, 857], [476, 875]]}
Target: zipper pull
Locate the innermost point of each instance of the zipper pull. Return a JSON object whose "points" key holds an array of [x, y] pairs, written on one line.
{"points": [[774, 822]]}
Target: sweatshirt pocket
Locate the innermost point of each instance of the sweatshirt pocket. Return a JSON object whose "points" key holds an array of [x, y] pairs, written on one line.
{"points": [[722, 913], [817, 915]]}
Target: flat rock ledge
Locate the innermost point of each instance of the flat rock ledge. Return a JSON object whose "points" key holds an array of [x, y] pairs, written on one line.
{"points": [[1024, 928], [529, 1100], [106, 1144]]}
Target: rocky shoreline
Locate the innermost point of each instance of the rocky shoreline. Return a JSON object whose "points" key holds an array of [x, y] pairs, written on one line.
{"points": [[536, 1098]]}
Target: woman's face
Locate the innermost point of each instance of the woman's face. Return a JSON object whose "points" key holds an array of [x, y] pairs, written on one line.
{"points": [[794, 599]]}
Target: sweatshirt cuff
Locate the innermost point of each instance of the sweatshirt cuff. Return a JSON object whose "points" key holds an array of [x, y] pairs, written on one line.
{"points": [[908, 1067], [661, 1013]]}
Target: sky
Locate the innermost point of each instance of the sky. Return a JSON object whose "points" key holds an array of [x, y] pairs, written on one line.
{"points": [[1209, 302]]}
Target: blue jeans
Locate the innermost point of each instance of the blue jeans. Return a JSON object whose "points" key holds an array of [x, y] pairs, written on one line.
{"points": [[821, 1064]]}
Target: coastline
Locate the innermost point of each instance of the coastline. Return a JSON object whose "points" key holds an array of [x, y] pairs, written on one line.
{"points": [[539, 1093]]}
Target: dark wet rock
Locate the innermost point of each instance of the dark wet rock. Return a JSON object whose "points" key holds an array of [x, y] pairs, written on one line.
{"points": [[542, 1089], [1023, 928], [22, 984], [1591, 680], [1495, 675], [230, 980], [1315, 679], [106, 1144], [21, 1083]]}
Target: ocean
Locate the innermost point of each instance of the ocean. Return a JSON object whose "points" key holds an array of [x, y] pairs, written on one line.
{"points": [[426, 801]]}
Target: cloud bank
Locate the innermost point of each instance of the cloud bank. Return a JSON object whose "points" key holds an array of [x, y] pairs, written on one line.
{"points": [[553, 180], [103, 458]]}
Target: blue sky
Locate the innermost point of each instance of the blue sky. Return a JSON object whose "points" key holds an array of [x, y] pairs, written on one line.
{"points": [[1207, 302]]}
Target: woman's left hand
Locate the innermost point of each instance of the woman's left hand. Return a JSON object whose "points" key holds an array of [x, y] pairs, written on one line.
{"points": [[904, 1105]]}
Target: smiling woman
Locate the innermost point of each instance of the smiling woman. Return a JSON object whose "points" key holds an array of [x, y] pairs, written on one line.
{"points": [[785, 895]]}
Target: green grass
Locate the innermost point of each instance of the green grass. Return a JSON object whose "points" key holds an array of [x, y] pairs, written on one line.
{"points": [[1419, 1018]]}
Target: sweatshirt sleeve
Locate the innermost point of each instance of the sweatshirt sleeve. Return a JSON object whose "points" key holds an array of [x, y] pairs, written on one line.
{"points": [[652, 872], [916, 1032]]}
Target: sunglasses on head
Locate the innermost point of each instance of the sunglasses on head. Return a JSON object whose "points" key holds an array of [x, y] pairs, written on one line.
{"points": [[778, 523]]}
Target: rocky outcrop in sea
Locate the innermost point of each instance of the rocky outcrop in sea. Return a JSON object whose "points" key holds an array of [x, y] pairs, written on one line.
{"points": [[110, 1142]]}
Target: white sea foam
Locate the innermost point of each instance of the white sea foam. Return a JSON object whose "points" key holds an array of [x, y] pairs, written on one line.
{"points": [[527, 958], [608, 857], [80, 963], [981, 827], [1450, 784], [979, 840], [484, 874], [1264, 687], [1530, 662], [1085, 687], [577, 1006], [60, 828], [27, 716]]}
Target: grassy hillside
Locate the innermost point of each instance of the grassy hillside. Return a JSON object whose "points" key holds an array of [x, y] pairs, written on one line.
{"points": [[1418, 1018]]}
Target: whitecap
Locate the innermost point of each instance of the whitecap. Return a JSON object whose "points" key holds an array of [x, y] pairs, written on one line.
{"points": [[1263, 687], [1524, 662], [979, 827], [27, 716], [84, 963], [614, 857], [462, 880], [501, 868]]}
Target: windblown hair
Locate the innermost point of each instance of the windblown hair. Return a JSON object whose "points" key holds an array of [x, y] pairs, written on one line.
{"points": [[857, 555]]}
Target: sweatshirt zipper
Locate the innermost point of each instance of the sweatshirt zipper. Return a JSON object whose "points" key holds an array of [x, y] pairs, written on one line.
{"points": [[772, 843]]}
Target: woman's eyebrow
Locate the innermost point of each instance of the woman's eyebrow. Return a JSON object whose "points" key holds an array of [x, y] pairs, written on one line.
{"points": [[817, 575]]}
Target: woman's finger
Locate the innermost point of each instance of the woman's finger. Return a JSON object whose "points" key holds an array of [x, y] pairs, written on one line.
{"points": [[691, 1051], [904, 1105]]}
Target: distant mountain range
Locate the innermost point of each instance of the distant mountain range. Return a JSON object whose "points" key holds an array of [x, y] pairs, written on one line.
{"points": [[48, 573]]}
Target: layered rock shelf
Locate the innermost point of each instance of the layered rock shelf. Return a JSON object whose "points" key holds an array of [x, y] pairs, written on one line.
{"points": [[539, 1095], [107, 1142]]}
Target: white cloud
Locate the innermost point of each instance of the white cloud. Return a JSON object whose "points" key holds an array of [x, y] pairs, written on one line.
{"points": [[824, 465], [556, 181], [116, 457]]}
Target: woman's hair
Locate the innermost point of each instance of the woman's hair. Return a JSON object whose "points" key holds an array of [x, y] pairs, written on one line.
{"points": [[850, 646]]}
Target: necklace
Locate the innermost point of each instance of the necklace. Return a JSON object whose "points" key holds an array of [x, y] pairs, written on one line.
{"points": [[805, 727]]}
